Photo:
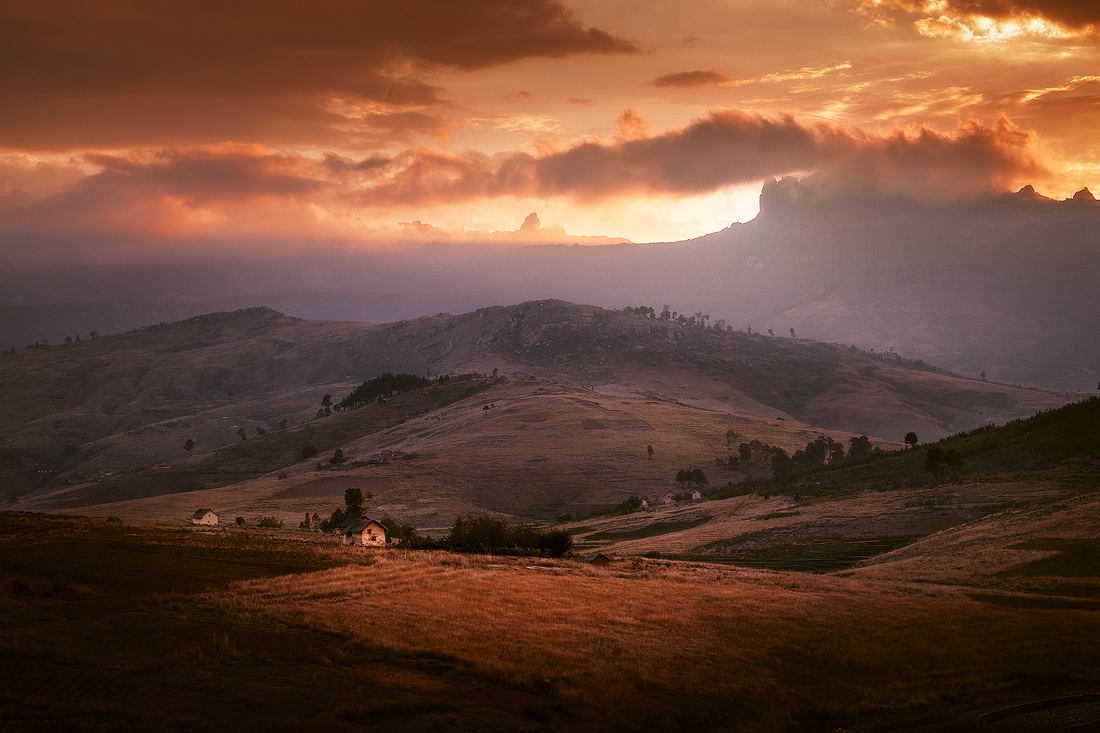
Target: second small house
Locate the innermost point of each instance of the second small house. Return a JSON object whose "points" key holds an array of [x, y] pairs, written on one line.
{"points": [[365, 533], [204, 516]]}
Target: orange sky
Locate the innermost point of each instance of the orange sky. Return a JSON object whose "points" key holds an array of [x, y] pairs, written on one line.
{"points": [[139, 124]]}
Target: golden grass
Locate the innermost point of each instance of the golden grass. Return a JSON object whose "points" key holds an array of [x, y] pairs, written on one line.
{"points": [[764, 650]]}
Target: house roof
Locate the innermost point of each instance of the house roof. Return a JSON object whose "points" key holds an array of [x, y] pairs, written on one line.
{"points": [[202, 513], [348, 523], [361, 523], [594, 555]]}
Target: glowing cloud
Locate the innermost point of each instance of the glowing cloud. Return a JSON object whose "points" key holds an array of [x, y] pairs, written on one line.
{"points": [[994, 20]]}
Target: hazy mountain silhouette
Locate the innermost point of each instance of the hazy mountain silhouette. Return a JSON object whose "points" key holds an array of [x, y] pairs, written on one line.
{"points": [[1004, 285]]}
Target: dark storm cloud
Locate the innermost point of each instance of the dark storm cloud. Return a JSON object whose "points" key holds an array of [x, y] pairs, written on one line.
{"points": [[686, 79], [127, 56]]}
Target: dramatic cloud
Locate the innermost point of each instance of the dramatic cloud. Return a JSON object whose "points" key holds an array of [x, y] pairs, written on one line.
{"points": [[996, 19], [247, 188], [197, 55]]}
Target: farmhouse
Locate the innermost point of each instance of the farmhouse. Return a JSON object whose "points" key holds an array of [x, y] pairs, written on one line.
{"points": [[669, 497], [204, 516], [365, 533], [598, 559], [696, 495]]}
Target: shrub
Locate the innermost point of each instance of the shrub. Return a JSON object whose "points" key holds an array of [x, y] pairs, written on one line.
{"points": [[271, 522], [240, 521], [308, 451]]}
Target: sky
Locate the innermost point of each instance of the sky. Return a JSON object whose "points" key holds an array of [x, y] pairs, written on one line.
{"points": [[144, 130]]}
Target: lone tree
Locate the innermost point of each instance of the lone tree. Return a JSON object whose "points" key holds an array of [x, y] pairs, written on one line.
{"points": [[189, 446], [242, 434], [649, 450], [910, 438], [337, 457], [353, 500]]}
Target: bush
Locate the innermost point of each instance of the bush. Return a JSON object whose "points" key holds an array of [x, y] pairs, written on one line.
{"points": [[240, 521], [485, 534], [271, 522], [308, 451]]}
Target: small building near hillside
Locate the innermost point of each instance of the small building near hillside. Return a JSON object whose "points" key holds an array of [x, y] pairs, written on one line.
{"points": [[598, 559], [669, 497], [113, 522], [204, 516], [366, 533], [696, 495]]}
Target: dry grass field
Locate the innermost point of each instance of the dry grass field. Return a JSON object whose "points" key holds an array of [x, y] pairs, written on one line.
{"points": [[260, 631]]}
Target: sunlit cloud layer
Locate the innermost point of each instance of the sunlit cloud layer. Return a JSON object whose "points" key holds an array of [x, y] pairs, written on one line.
{"points": [[378, 124]]}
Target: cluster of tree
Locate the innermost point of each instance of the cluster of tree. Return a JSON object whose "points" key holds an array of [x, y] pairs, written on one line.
{"points": [[698, 319], [818, 452], [485, 534], [692, 476], [383, 385]]}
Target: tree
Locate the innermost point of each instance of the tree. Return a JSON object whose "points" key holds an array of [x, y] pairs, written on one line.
{"points": [[326, 401], [240, 521], [910, 439], [649, 450], [792, 333], [243, 435], [260, 431], [308, 451], [93, 335], [337, 457], [353, 500], [189, 446], [859, 447], [68, 339]]}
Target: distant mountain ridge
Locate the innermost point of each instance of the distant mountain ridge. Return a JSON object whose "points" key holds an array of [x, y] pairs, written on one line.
{"points": [[1002, 285]]}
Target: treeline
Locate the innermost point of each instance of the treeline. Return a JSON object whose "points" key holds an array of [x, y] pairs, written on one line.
{"points": [[384, 385], [1065, 440], [488, 535]]}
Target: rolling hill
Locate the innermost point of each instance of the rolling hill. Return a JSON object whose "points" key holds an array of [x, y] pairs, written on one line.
{"points": [[116, 403]]}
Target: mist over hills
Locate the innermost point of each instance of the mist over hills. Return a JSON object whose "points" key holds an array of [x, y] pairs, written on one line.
{"points": [[1003, 285]]}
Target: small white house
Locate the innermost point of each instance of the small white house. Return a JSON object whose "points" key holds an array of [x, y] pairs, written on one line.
{"points": [[366, 533], [204, 516]]}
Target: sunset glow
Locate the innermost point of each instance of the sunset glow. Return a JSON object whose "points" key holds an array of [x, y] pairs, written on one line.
{"points": [[346, 123]]}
